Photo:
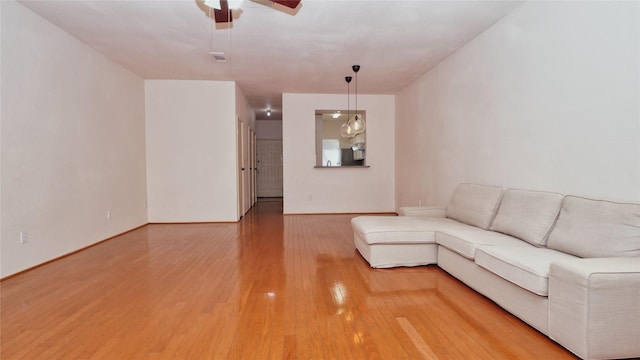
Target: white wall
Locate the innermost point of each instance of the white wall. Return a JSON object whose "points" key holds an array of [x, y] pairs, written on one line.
{"points": [[547, 98], [1, 116], [247, 118], [269, 129], [191, 151], [73, 144], [337, 190]]}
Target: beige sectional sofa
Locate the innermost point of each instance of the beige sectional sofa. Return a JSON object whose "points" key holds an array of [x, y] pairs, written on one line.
{"points": [[566, 265]]}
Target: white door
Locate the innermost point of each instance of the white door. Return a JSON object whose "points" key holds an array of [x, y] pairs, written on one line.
{"points": [[254, 169], [269, 153], [246, 186], [239, 133]]}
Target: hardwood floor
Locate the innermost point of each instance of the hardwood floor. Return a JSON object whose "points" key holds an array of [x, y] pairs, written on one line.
{"points": [[269, 287]]}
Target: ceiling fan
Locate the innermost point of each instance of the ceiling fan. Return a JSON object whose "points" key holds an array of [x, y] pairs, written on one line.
{"points": [[222, 8]]}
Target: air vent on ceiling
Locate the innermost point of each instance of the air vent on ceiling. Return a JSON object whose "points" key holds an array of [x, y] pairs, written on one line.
{"points": [[219, 56]]}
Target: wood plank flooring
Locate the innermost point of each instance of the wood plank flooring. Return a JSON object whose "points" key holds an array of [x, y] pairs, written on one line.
{"points": [[269, 287]]}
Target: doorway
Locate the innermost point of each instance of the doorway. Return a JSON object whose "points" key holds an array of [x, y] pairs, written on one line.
{"points": [[269, 166]]}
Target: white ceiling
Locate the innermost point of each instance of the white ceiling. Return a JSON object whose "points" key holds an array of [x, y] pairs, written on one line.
{"points": [[272, 50]]}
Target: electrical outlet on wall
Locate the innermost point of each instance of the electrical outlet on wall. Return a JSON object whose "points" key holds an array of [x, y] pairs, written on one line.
{"points": [[24, 237], [108, 214]]}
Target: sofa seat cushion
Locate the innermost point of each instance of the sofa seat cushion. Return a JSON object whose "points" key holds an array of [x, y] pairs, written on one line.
{"points": [[465, 241], [400, 229], [527, 215], [525, 267], [474, 204], [596, 228]]}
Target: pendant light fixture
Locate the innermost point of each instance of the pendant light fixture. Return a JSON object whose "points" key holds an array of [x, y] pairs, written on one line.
{"points": [[346, 131], [357, 124]]}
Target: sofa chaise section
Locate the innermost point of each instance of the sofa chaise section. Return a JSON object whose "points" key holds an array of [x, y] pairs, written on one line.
{"points": [[389, 241]]}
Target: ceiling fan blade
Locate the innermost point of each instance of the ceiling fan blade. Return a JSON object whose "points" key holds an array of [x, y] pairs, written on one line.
{"points": [[224, 14], [292, 4]]}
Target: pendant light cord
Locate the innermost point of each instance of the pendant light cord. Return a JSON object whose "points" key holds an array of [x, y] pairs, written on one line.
{"points": [[356, 94], [230, 23], [348, 100], [355, 69], [210, 31]]}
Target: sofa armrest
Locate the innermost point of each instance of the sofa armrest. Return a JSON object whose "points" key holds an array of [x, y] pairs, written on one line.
{"points": [[424, 211], [594, 306]]}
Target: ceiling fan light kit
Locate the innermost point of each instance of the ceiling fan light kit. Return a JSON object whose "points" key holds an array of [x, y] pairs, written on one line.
{"points": [[234, 4], [222, 8], [214, 4]]}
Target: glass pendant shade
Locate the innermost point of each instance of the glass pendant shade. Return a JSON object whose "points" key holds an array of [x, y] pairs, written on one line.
{"points": [[346, 131], [357, 125]]}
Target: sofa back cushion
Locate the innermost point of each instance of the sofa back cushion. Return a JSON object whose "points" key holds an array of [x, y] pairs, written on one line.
{"points": [[527, 215], [595, 228], [474, 204]]}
